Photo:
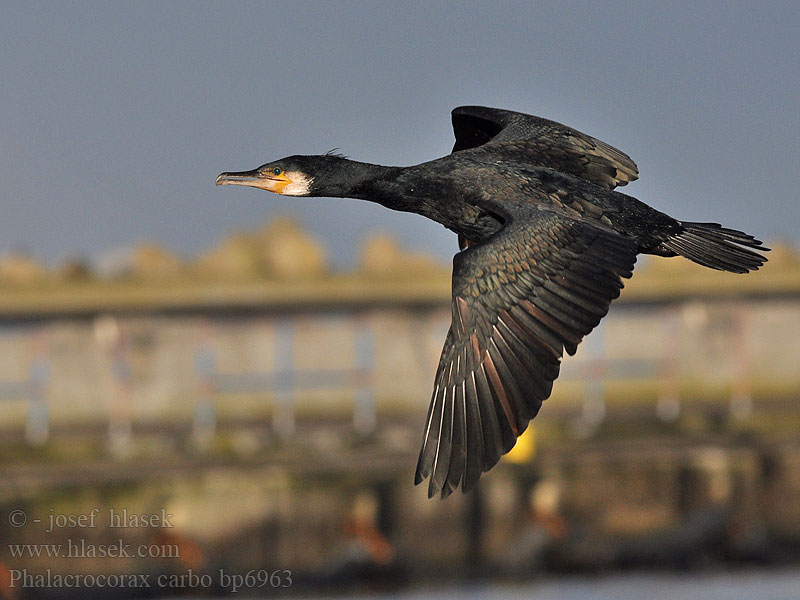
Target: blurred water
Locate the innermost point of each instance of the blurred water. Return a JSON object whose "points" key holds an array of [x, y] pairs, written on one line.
{"points": [[739, 585]]}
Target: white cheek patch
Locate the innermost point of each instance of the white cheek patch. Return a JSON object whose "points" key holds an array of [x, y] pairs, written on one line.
{"points": [[300, 184]]}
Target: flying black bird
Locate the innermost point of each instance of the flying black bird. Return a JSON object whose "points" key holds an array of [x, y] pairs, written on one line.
{"points": [[544, 240]]}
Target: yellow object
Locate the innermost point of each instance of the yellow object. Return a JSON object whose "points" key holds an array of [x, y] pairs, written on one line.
{"points": [[525, 448]]}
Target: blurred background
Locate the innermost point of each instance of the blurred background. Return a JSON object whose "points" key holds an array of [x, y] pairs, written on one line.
{"points": [[210, 391]]}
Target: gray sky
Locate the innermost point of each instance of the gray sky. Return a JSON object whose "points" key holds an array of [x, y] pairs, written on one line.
{"points": [[117, 117]]}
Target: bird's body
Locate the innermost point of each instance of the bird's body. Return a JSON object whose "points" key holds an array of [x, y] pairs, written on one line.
{"points": [[545, 241]]}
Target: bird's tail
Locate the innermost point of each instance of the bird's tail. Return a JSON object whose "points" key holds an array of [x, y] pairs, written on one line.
{"points": [[711, 245]]}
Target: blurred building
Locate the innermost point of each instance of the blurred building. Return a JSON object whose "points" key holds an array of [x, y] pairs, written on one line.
{"points": [[277, 323]]}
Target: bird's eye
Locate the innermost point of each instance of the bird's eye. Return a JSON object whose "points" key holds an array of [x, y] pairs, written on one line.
{"points": [[277, 171]]}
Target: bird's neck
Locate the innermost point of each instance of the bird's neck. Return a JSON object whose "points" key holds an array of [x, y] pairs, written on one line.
{"points": [[397, 188], [352, 179]]}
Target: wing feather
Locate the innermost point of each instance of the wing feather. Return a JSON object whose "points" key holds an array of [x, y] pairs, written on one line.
{"points": [[475, 433], [520, 299], [541, 142]]}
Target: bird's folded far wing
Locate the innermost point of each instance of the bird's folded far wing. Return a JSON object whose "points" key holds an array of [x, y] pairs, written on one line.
{"points": [[543, 143], [519, 299]]}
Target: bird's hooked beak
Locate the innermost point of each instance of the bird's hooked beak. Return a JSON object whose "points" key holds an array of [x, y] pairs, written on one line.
{"points": [[257, 179]]}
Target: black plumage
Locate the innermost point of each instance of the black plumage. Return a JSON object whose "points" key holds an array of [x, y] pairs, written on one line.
{"points": [[545, 243]]}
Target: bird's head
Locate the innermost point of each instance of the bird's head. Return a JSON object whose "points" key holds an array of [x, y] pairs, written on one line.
{"points": [[321, 175], [290, 176]]}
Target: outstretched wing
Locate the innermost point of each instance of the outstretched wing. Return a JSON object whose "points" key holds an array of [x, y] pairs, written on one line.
{"points": [[531, 291], [543, 143]]}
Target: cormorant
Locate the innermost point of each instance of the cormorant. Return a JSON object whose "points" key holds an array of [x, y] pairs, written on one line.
{"points": [[545, 242]]}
